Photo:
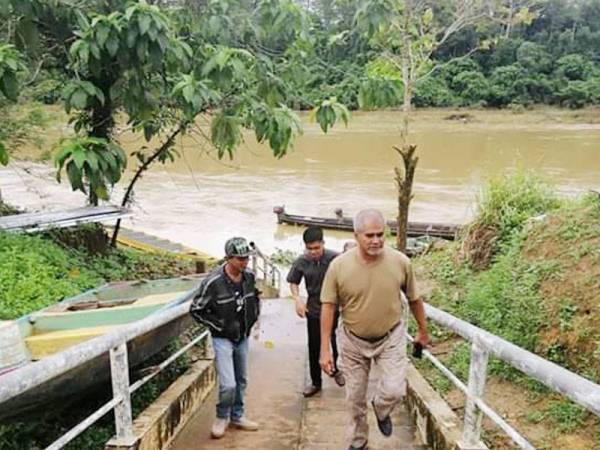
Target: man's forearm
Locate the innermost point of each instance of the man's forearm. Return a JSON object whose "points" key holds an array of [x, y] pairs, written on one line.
{"points": [[295, 290], [327, 316], [418, 311]]}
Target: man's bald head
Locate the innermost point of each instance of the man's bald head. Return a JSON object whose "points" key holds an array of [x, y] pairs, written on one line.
{"points": [[367, 217]]}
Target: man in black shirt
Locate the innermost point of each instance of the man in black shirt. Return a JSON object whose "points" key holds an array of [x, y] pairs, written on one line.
{"points": [[312, 267]]}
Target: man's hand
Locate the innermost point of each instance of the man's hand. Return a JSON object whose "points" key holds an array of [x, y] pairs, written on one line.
{"points": [[300, 308], [422, 338], [326, 361]]}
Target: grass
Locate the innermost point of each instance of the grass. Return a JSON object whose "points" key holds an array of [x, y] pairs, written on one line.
{"points": [[540, 291], [36, 271], [507, 202]]}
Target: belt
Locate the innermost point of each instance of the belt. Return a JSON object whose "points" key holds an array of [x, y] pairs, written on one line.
{"points": [[377, 338]]}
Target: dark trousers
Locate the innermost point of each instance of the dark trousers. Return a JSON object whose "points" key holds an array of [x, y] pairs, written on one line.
{"points": [[313, 325]]}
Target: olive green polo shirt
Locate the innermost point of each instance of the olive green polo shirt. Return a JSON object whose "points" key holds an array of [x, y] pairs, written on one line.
{"points": [[369, 294]]}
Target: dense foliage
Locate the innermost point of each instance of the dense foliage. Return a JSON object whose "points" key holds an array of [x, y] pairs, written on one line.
{"points": [[297, 53], [545, 51], [37, 271], [540, 291]]}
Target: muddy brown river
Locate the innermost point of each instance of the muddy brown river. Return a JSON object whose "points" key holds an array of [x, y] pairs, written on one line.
{"points": [[200, 201]]}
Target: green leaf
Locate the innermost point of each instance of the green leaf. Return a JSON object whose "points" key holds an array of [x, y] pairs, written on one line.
{"points": [[75, 178], [102, 33], [188, 93], [132, 35], [92, 161], [79, 99], [101, 192], [3, 155], [62, 156], [79, 157], [9, 86], [144, 23], [112, 45]]}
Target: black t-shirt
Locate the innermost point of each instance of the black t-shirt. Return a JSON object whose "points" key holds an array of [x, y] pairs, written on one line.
{"points": [[313, 273], [238, 292]]}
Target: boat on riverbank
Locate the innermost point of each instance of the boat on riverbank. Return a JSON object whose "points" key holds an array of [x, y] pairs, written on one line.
{"points": [[72, 321], [446, 231]]}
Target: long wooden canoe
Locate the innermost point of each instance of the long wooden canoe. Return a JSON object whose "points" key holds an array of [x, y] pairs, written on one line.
{"points": [[415, 229], [83, 317]]}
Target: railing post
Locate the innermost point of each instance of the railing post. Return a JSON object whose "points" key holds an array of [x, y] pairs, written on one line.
{"points": [[475, 389], [254, 264], [265, 270], [119, 369]]}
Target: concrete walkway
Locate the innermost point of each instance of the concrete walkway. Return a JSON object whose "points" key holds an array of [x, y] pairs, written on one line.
{"points": [[278, 374]]}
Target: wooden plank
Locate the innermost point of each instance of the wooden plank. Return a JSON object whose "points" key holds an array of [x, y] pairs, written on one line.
{"points": [[41, 345], [58, 219], [45, 216]]}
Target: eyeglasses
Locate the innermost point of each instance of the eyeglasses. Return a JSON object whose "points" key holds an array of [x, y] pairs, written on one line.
{"points": [[373, 235], [241, 258]]}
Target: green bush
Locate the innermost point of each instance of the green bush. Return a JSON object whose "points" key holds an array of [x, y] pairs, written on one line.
{"points": [[534, 58], [574, 67], [36, 272], [575, 94], [508, 201], [48, 91], [502, 81], [433, 91], [379, 93], [471, 87], [505, 301], [458, 65]]}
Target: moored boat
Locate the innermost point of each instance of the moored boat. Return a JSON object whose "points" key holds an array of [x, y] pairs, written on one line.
{"points": [[447, 231], [86, 316]]}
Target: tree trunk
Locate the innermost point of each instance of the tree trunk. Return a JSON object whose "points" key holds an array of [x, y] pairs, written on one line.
{"points": [[509, 21], [138, 174], [404, 181], [405, 171]]}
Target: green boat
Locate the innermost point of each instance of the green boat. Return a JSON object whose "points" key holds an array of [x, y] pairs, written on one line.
{"points": [[86, 316]]}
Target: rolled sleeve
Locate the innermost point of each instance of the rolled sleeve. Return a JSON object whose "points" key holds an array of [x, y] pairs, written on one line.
{"points": [[329, 289], [295, 274], [410, 284]]}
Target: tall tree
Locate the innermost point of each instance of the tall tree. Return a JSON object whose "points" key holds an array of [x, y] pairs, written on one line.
{"points": [[405, 34], [166, 75]]}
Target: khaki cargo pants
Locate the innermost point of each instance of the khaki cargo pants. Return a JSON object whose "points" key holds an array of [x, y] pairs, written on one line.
{"points": [[357, 356]]}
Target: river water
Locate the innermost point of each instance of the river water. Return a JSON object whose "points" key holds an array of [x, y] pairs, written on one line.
{"points": [[200, 201]]}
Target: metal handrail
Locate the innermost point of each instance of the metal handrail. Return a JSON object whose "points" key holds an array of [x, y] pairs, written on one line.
{"points": [[579, 389], [271, 273], [22, 379]]}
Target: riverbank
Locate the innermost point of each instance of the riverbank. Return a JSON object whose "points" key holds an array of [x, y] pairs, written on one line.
{"points": [[528, 271]]}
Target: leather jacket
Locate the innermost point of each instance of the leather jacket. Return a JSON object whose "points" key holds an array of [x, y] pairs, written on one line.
{"points": [[227, 313]]}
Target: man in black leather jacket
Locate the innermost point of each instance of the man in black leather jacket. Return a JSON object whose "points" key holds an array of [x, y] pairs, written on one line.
{"points": [[227, 303]]}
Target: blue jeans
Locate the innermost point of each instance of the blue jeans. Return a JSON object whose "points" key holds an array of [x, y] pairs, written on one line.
{"points": [[232, 371]]}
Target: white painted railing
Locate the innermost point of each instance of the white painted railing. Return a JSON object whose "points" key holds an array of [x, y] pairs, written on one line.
{"points": [[115, 342], [483, 344], [264, 268]]}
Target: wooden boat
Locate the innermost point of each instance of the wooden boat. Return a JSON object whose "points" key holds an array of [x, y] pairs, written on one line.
{"points": [[415, 229], [83, 317]]}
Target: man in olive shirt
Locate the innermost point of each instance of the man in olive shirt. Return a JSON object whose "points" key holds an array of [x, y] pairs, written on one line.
{"points": [[370, 284], [312, 266]]}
